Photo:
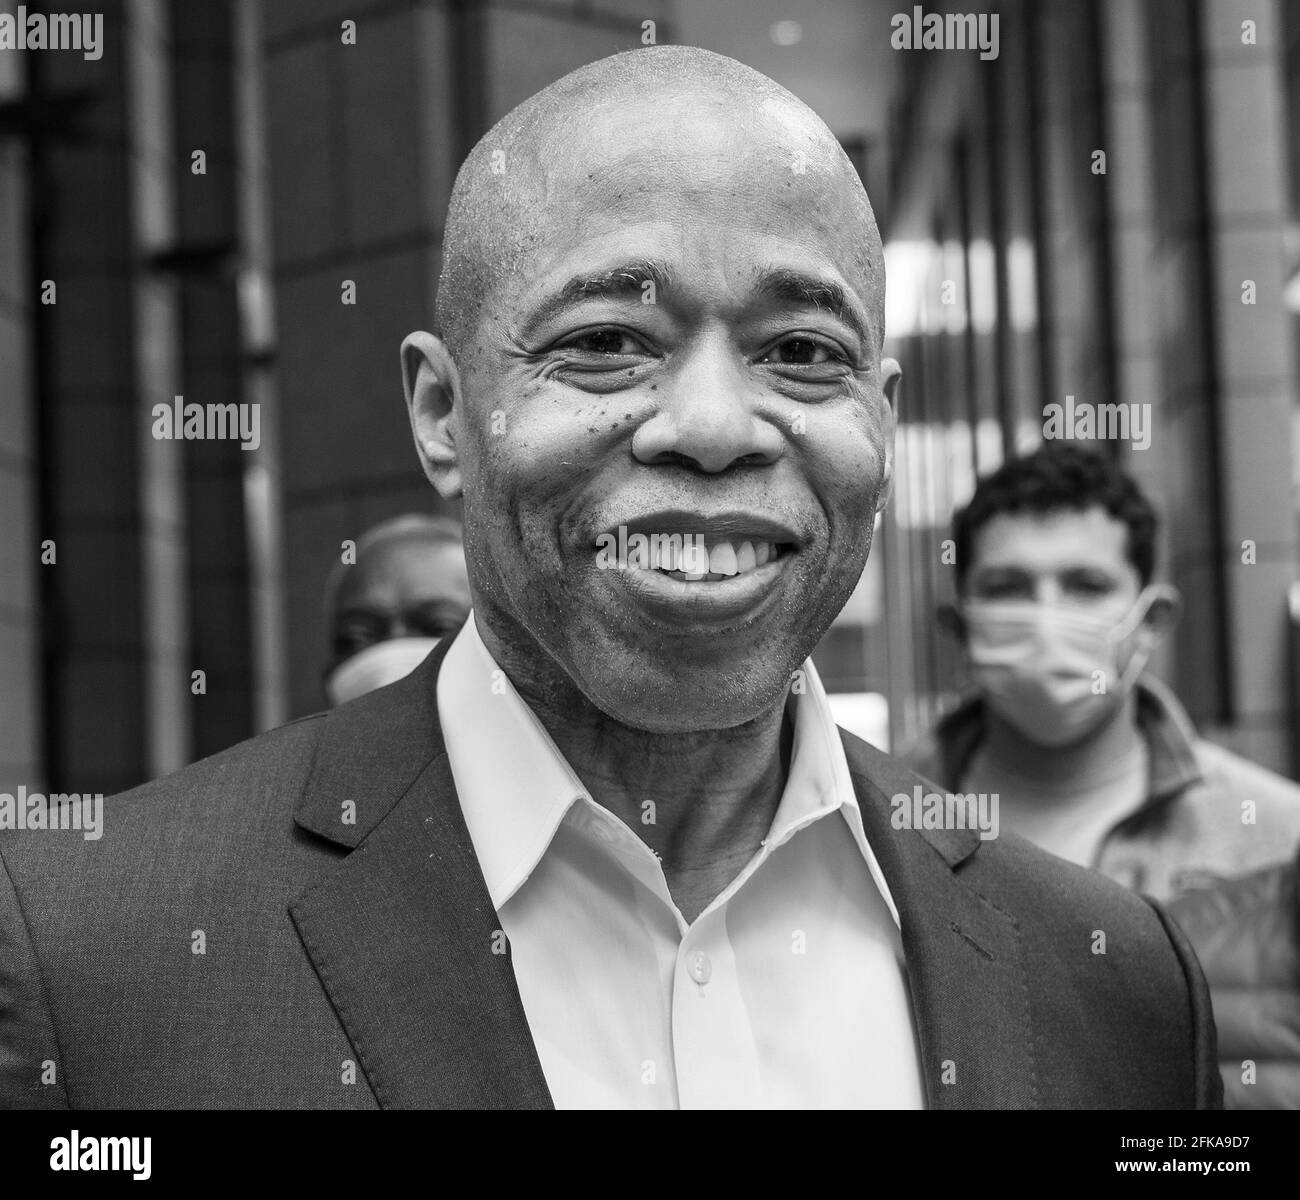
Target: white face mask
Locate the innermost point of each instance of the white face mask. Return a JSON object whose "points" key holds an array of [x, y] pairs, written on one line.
{"points": [[376, 666], [1054, 672]]}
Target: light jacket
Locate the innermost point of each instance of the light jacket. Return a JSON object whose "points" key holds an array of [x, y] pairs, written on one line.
{"points": [[1207, 812], [1246, 932]]}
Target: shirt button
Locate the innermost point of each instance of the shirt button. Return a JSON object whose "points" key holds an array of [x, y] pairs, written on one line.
{"points": [[699, 967]]}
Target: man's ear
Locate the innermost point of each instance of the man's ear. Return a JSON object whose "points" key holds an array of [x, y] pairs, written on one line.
{"points": [[433, 400], [1163, 612], [890, 374]]}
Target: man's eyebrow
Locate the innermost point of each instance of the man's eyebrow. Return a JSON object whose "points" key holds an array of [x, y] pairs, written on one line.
{"points": [[624, 281], [617, 281], [812, 291]]}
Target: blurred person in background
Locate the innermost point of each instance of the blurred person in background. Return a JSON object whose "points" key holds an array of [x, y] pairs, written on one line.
{"points": [[407, 590], [1092, 760], [1246, 932]]}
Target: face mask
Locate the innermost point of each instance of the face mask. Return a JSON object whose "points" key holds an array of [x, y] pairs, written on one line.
{"points": [[1055, 672], [376, 666]]}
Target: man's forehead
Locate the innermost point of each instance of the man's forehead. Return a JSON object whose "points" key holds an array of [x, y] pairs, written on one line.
{"points": [[629, 162], [676, 132], [737, 224], [1055, 538], [400, 564]]}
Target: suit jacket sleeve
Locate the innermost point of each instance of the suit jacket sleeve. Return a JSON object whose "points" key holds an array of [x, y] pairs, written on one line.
{"points": [[31, 1070], [1207, 1080]]}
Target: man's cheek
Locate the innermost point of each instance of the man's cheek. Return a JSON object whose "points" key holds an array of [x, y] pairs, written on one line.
{"points": [[864, 468], [850, 469]]}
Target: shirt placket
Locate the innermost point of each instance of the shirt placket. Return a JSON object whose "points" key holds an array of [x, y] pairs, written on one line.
{"points": [[713, 1045]]}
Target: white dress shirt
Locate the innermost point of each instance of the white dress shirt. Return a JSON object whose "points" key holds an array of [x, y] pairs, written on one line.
{"points": [[788, 991]]}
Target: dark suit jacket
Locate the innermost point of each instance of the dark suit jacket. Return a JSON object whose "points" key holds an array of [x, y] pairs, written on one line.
{"points": [[326, 873]]}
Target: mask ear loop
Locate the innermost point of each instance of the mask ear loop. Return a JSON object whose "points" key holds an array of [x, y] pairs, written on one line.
{"points": [[1135, 618]]}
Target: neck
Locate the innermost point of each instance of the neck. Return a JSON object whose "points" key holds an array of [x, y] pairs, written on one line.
{"points": [[697, 799], [702, 800], [1049, 766]]}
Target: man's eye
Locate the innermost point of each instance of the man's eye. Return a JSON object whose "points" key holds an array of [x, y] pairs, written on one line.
{"points": [[436, 618], [348, 642], [801, 351], [1004, 589], [604, 341], [1090, 586]]}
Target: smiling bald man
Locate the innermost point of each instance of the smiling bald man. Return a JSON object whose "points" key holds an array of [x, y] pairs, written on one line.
{"points": [[607, 848]]}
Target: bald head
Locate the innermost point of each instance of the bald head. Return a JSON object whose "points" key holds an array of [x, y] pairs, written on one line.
{"points": [[603, 137]]}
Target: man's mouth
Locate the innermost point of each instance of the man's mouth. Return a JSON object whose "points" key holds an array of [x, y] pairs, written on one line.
{"points": [[701, 558], [691, 570]]}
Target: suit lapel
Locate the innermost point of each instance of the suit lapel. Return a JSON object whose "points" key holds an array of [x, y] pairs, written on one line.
{"points": [[964, 958], [401, 931]]}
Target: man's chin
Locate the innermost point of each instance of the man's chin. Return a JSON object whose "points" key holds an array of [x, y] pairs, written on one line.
{"points": [[655, 700], [1060, 740]]}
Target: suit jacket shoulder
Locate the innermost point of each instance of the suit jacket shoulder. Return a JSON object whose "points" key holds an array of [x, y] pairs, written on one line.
{"points": [[1100, 1000], [157, 965]]}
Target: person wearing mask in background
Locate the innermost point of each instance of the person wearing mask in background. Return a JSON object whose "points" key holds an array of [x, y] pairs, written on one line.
{"points": [[1091, 760], [1246, 932], [408, 589]]}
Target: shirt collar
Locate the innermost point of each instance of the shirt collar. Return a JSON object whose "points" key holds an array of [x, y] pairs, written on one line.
{"points": [[514, 784], [819, 782], [516, 787]]}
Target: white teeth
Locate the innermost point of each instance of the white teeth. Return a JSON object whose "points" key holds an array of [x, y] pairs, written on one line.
{"points": [[688, 555], [726, 560], [695, 560], [722, 559]]}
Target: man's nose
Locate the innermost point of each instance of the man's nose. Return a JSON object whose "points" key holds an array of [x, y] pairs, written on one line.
{"points": [[708, 416], [1047, 590]]}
